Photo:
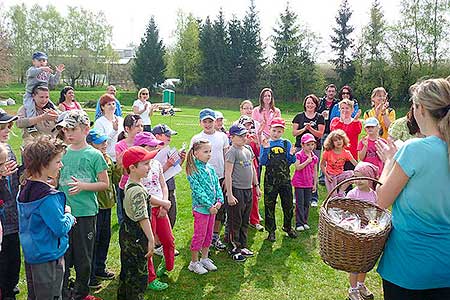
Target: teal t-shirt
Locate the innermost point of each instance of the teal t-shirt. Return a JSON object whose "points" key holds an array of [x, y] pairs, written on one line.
{"points": [[417, 253], [84, 165]]}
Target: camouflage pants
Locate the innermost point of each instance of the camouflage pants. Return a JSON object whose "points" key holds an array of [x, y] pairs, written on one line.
{"points": [[271, 192], [133, 273]]}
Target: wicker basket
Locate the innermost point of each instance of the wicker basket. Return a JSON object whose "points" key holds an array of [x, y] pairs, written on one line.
{"points": [[345, 250]]}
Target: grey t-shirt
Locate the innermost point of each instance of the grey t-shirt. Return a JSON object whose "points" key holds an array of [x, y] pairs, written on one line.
{"points": [[242, 170]]}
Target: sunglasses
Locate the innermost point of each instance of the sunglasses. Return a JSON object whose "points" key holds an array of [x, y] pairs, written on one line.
{"points": [[7, 125], [144, 93], [345, 93]]}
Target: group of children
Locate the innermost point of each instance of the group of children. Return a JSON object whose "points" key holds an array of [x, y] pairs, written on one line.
{"points": [[71, 226]]}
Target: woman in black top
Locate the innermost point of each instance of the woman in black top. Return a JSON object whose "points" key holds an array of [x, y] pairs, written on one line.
{"points": [[309, 121]]}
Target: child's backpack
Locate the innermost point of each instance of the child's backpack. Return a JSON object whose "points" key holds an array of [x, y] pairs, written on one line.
{"points": [[277, 168]]}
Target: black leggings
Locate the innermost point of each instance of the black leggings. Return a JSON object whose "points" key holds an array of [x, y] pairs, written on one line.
{"points": [[394, 292]]}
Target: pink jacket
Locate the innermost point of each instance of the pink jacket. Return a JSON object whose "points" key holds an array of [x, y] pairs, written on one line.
{"points": [[268, 115]]}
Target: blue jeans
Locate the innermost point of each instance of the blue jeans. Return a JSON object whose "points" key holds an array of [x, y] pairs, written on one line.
{"points": [[302, 200], [315, 195]]}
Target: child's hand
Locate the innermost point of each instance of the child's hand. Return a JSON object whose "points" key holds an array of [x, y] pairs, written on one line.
{"points": [[258, 192], [162, 212], [76, 186], [67, 209], [150, 248], [328, 177], [213, 210], [46, 69], [293, 150], [309, 159], [9, 168], [60, 68], [365, 142], [232, 201], [167, 204], [218, 205], [265, 143], [314, 189]]}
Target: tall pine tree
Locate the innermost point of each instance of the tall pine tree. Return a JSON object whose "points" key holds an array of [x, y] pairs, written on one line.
{"points": [[252, 52], [341, 44], [207, 65], [237, 84], [149, 66], [292, 68]]}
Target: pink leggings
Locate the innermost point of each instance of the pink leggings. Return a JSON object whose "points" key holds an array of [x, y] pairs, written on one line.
{"points": [[203, 231], [161, 227]]}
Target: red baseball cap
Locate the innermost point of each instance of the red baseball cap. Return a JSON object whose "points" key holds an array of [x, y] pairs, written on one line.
{"points": [[136, 154], [278, 122]]}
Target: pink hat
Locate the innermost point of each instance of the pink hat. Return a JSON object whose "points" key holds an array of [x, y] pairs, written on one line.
{"points": [[278, 122], [308, 137], [367, 169], [146, 139]]}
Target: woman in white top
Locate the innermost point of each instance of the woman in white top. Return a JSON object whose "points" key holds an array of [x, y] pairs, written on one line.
{"points": [[144, 108], [109, 124]]}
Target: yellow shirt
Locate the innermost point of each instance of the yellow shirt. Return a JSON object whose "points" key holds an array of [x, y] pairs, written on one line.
{"points": [[383, 128]]}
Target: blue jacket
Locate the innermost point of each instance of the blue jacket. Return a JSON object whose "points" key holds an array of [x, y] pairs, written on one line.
{"points": [[205, 186], [264, 154], [43, 225], [335, 112]]}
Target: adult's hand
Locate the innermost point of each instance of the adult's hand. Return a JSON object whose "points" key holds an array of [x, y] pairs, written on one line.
{"points": [[386, 151]]}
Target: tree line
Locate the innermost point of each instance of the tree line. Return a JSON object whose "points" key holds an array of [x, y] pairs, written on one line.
{"points": [[228, 58]]}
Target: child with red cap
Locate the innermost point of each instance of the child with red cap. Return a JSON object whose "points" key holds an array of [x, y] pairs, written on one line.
{"points": [[135, 235], [277, 154]]}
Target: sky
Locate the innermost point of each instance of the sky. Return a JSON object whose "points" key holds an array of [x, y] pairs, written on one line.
{"points": [[129, 18]]}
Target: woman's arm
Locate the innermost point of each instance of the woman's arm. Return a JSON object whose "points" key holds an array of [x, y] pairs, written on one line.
{"points": [[61, 107], [393, 181], [296, 131], [318, 133]]}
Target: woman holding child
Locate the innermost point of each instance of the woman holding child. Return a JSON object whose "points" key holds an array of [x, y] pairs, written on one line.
{"points": [[415, 262]]}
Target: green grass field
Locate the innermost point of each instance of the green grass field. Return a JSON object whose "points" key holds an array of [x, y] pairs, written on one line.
{"points": [[287, 269]]}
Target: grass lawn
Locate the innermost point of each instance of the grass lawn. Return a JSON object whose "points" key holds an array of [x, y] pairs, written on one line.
{"points": [[286, 269]]}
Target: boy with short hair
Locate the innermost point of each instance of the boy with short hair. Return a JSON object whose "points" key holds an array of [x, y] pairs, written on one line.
{"points": [[39, 74], [135, 235], [84, 175], [44, 218], [367, 150], [219, 146], [277, 155], [106, 200], [240, 177]]}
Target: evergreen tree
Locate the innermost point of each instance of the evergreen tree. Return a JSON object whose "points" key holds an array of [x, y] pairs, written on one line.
{"points": [[221, 48], [252, 52], [207, 65], [341, 43], [292, 67], [237, 86], [149, 65]]}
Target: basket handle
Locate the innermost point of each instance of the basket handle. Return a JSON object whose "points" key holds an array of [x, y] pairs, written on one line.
{"points": [[344, 182]]}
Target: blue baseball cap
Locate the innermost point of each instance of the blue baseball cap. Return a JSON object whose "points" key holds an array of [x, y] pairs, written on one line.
{"points": [[40, 55], [163, 129], [95, 137], [237, 129], [207, 113]]}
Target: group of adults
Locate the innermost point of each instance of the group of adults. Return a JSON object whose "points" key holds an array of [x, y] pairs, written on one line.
{"points": [[415, 178], [415, 263]]}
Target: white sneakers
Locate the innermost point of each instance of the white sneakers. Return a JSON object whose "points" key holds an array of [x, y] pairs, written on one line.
{"points": [[202, 267], [197, 267], [208, 264], [302, 227]]}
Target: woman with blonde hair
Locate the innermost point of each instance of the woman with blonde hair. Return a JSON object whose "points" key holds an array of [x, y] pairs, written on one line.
{"points": [[381, 110], [144, 108], [415, 263]]}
